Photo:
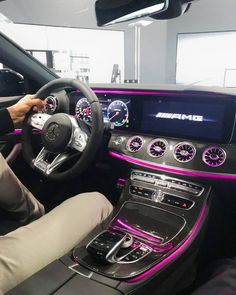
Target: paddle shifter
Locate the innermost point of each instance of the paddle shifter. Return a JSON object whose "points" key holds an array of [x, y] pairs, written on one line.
{"points": [[108, 244]]}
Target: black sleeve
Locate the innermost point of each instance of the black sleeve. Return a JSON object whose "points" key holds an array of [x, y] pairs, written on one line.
{"points": [[6, 124]]}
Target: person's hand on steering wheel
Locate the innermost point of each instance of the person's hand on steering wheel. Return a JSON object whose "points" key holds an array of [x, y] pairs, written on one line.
{"points": [[23, 106]]}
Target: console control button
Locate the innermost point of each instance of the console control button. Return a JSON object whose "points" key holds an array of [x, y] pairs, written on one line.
{"points": [[142, 192], [144, 179], [162, 183], [170, 183], [184, 187], [137, 254], [104, 244], [178, 202]]}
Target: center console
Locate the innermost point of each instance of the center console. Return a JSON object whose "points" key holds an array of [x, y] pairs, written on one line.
{"points": [[158, 219], [156, 224]]}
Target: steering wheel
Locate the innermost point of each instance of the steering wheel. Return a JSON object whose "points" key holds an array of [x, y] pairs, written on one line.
{"points": [[62, 136]]}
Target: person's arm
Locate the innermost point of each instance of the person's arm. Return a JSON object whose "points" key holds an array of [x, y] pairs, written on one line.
{"points": [[15, 114]]}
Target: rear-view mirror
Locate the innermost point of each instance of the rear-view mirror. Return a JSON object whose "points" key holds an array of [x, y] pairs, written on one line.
{"points": [[115, 11]]}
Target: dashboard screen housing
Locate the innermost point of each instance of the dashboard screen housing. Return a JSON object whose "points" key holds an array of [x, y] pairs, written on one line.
{"points": [[201, 119], [194, 115]]}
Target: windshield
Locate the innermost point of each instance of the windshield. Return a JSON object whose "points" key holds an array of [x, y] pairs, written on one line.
{"points": [[198, 48]]}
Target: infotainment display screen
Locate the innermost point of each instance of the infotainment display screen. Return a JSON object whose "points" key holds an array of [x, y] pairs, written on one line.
{"points": [[207, 120]]}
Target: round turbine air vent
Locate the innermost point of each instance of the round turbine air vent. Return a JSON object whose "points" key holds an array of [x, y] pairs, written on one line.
{"points": [[134, 144], [214, 156], [184, 152], [157, 148]]}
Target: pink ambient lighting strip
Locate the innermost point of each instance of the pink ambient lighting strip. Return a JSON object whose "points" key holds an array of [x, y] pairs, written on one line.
{"points": [[175, 254], [138, 232], [16, 132], [178, 171], [20, 131], [121, 181]]}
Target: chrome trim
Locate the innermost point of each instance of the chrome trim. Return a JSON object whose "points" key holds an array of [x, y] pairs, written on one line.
{"points": [[49, 167], [156, 140], [78, 272], [166, 178], [58, 161], [184, 143]]}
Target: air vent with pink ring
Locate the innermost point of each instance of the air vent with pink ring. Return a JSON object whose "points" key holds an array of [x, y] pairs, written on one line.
{"points": [[214, 156]]}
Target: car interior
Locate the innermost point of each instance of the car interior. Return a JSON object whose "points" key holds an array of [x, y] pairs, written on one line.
{"points": [[162, 153]]}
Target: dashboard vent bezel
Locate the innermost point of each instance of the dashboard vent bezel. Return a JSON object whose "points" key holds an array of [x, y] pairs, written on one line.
{"points": [[211, 162], [177, 155], [128, 145], [157, 141]]}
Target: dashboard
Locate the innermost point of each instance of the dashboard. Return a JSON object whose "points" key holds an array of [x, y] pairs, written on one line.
{"points": [[199, 117], [186, 130]]}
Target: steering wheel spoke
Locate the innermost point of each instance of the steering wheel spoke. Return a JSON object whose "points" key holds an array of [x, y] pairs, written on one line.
{"points": [[42, 161], [38, 120], [79, 138]]}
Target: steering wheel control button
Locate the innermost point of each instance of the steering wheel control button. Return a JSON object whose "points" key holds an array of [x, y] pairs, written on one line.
{"points": [[38, 120], [57, 133], [79, 141]]}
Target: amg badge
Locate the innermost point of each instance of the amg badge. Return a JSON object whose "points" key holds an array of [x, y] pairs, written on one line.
{"points": [[182, 117]]}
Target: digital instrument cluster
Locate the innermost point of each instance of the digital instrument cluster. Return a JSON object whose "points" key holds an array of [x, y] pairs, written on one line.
{"points": [[115, 111]]}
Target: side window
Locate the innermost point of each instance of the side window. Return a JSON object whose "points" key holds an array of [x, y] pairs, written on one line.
{"points": [[11, 82]]}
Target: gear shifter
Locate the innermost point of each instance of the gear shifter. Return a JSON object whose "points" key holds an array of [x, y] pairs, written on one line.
{"points": [[105, 246]]}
